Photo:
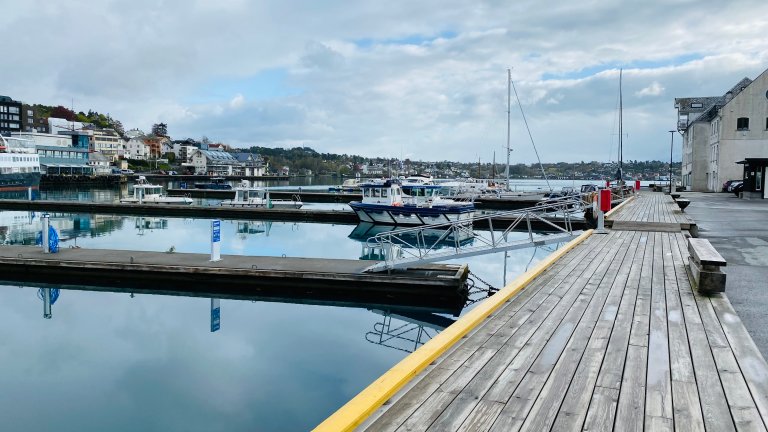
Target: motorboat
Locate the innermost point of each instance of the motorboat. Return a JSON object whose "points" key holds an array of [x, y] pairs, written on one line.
{"points": [[216, 183], [247, 195], [383, 202], [147, 193], [349, 185]]}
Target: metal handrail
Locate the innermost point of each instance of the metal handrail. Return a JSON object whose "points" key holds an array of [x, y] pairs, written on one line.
{"points": [[419, 250]]}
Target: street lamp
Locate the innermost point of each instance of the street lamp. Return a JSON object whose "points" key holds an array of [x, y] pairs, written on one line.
{"points": [[671, 143]]}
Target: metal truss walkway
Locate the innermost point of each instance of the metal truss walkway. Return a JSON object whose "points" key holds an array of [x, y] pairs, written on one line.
{"points": [[439, 242]]}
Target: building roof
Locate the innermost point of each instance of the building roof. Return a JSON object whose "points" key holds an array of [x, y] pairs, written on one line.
{"points": [[218, 156]]}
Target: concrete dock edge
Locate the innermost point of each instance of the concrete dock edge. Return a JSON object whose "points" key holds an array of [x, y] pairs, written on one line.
{"points": [[354, 412]]}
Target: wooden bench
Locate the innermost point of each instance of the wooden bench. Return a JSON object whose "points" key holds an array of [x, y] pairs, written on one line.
{"points": [[704, 263]]}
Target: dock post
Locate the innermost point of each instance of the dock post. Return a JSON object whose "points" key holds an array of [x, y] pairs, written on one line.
{"points": [[600, 213], [29, 193], [46, 227]]}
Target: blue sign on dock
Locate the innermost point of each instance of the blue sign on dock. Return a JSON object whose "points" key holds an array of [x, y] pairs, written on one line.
{"points": [[216, 231]]}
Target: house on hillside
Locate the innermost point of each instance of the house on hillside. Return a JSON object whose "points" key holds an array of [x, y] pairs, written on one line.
{"points": [[718, 132], [137, 149]]}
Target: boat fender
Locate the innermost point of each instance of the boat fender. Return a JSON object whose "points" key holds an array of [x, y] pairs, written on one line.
{"points": [[397, 204]]}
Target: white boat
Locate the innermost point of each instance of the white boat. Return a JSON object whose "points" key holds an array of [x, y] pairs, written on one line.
{"points": [[250, 196], [385, 203], [19, 164], [146, 193]]}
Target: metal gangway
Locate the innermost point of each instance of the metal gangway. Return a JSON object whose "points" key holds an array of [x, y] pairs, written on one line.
{"points": [[421, 244]]}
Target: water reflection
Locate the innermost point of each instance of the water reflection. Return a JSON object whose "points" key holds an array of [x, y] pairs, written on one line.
{"points": [[406, 330], [21, 228]]}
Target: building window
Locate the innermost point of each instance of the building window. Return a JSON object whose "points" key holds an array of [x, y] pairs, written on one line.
{"points": [[697, 105], [742, 123]]}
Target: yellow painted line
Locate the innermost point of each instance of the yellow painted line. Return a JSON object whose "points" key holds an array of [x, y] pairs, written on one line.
{"points": [[616, 209], [372, 397]]}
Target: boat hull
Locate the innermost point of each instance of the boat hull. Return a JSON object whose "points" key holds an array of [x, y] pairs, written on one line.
{"points": [[19, 181], [275, 204], [411, 215], [163, 200]]}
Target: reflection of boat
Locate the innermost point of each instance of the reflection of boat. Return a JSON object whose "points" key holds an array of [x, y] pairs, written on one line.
{"points": [[384, 203], [365, 230], [253, 227], [146, 193], [216, 183], [19, 165], [249, 196], [150, 223]]}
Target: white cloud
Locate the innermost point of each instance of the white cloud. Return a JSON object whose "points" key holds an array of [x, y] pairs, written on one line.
{"points": [[367, 77], [655, 89]]}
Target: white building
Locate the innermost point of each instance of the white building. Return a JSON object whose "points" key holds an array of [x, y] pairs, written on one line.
{"points": [[108, 143], [135, 148], [214, 162], [718, 132]]}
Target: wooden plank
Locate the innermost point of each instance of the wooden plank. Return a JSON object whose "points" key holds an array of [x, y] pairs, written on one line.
{"points": [[743, 409], [714, 406], [630, 410], [602, 409], [567, 392], [751, 363], [685, 396], [658, 395], [410, 402], [514, 414], [646, 226]]}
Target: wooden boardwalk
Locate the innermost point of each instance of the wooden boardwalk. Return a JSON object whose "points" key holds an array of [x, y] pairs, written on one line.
{"points": [[609, 337], [650, 211]]}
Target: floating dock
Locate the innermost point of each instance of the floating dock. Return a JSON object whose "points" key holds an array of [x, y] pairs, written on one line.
{"points": [[233, 213], [481, 203], [605, 334], [434, 287]]}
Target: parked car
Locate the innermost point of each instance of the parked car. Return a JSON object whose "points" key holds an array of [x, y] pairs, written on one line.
{"points": [[126, 171], [733, 185], [728, 184], [737, 188]]}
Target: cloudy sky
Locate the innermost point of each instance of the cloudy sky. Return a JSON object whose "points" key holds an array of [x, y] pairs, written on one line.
{"points": [[425, 80]]}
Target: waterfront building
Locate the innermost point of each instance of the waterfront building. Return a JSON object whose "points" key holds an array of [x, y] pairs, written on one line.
{"points": [[10, 115], [62, 153], [100, 163], [214, 162], [720, 131], [251, 164]]}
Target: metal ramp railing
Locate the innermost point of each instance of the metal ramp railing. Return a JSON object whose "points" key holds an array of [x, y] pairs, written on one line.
{"points": [[420, 244]]}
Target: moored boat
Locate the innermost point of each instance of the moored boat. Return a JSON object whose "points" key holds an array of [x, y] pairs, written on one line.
{"points": [[385, 203], [250, 196], [216, 183], [19, 165], [147, 193]]}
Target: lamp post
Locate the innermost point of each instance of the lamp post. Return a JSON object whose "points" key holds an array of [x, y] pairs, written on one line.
{"points": [[671, 143]]}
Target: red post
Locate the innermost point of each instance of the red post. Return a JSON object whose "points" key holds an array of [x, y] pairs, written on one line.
{"points": [[607, 183], [637, 185], [605, 200]]}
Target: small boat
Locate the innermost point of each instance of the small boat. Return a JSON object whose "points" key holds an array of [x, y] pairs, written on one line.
{"points": [[384, 203], [250, 196], [216, 183], [146, 193], [349, 185]]}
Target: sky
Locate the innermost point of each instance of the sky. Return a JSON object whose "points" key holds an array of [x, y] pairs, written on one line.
{"points": [[424, 80]]}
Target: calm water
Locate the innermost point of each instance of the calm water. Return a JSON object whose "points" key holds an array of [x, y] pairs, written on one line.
{"points": [[112, 361]]}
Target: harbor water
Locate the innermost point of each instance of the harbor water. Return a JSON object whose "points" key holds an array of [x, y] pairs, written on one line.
{"points": [[119, 360]]}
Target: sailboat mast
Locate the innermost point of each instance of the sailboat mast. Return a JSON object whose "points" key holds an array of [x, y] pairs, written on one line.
{"points": [[621, 134], [509, 113]]}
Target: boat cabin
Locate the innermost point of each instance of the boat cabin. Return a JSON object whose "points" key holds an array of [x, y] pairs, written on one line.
{"points": [[385, 193]]}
